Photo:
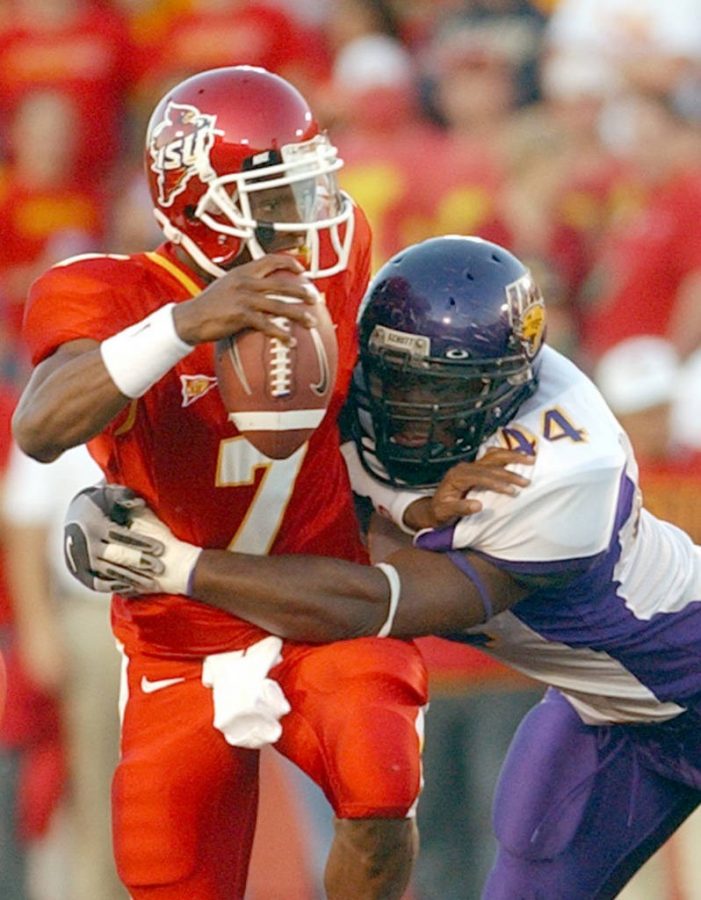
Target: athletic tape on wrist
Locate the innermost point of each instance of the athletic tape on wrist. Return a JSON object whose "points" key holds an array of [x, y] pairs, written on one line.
{"points": [[395, 589], [399, 504], [140, 355], [387, 501]]}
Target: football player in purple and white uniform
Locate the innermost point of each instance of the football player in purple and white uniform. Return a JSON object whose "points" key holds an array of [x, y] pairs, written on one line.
{"points": [[555, 567]]}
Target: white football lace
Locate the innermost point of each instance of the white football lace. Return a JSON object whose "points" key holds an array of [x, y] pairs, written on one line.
{"points": [[280, 362]]}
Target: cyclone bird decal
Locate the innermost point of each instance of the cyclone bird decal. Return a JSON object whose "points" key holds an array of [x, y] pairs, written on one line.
{"points": [[179, 148]]}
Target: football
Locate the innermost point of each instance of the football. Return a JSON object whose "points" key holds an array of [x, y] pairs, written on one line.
{"points": [[276, 394]]}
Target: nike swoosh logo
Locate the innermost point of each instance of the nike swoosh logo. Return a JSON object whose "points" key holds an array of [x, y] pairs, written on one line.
{"points": [[324, 382], [149, 687], [69, 553], [238, 365]]}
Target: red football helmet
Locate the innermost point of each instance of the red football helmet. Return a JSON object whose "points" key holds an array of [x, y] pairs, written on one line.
{"points": [[234, 159]]}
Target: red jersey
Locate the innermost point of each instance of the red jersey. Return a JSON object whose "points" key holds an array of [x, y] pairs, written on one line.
{"points": [[177, 449]]}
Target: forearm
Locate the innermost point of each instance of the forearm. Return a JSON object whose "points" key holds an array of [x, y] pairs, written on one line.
{"points": [[413, 592], [66, 402], [303, 598], [413, 511], [318, 599]]}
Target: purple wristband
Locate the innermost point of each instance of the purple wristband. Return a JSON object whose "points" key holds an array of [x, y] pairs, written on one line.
{"points": [[191, 580], [466, 567]]}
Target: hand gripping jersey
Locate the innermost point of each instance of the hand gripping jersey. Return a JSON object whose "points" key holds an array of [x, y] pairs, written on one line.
{"points": [[614, 615], [176, 448]]}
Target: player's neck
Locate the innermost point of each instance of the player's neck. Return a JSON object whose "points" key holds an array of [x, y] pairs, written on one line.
{"points": [[184, 257]]}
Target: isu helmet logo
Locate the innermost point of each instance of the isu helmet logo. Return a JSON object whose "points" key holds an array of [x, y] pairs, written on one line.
{"points": [[527, 313], [180, 147]]}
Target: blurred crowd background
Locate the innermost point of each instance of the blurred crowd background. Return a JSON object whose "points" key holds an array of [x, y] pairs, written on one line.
{"points": [[568, 130]]}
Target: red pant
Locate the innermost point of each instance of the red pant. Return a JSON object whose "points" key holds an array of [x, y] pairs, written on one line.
{"points": [[184, 800]]}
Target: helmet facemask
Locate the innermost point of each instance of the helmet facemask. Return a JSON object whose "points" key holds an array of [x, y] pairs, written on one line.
{"points": [[416, 416], [282, 201]]}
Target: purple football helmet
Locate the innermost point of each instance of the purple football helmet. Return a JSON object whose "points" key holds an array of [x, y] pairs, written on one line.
{"points": [[450, 332]]}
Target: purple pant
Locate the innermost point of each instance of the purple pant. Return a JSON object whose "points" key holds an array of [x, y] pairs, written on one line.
{"points": [[578, 809]]}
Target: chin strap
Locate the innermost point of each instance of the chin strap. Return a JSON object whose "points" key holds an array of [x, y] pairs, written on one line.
{"points": [[175, 236]]}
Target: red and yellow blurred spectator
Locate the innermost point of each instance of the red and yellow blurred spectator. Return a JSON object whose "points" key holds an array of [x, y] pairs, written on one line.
{"points": [[413, 178], [646, 278], [48, 212], [214, 33], [80, 49]]}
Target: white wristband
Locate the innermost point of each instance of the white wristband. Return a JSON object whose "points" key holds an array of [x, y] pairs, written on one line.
{"points": [[395, 589], [174, 568], [140, 355]]}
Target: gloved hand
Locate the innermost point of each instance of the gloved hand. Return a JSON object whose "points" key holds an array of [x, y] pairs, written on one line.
{"points": [[114, 543]]}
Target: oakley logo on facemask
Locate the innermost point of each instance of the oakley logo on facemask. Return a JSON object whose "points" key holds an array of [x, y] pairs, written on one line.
{"points": [[180, 148]]}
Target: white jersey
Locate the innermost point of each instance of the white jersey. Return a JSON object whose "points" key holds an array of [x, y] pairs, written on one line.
{"points": [[614, 615]]}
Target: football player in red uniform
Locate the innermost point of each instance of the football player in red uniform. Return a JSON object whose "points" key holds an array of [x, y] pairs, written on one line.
{"points": [[123, 352]]}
